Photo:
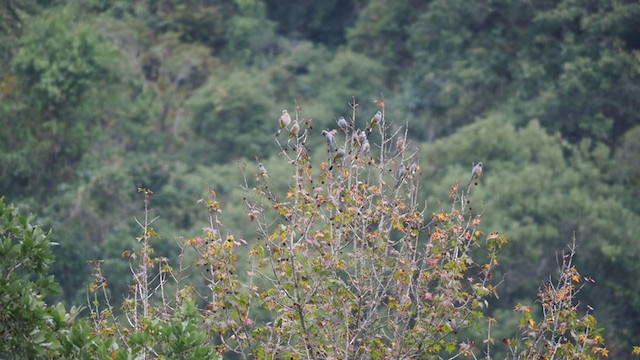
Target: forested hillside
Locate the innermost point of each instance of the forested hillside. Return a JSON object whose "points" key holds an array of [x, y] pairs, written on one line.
{"points": [[101, 98]]}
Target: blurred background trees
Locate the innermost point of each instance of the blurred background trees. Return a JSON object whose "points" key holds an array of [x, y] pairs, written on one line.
{"points": [[99, 98]]}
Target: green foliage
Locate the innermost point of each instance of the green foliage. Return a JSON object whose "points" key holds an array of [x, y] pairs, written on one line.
{"points": [[56, 74], [362, 79], [381, 33], [249, 33], [13, 16], [57, 68], [100, 97], [626, 169], [26, 329], [230, 112], [465, 55], [562, 331], [567, 64], [321, 22], [572, 196], [180, 338]]}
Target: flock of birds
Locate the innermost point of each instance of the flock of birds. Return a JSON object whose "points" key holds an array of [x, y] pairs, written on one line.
{"points": [[360, 137]]}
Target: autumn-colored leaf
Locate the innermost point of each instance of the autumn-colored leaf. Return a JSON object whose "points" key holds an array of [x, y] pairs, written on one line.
{"points": [[440, 216], [600, 350]]}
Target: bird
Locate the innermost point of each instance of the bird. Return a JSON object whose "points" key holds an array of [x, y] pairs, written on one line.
{"points": [[412, 171], [328, 136], [294, 130], [357, 139], [340, 154], [362, 137], [343, 124], [284, 121], [399, 145], [400, 174], [366, 147], [303, 154], [262, 171], [413, 168], [374, 121], [475, 173]]}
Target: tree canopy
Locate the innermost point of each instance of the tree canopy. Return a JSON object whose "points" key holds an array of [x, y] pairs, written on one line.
{"points": [[101, 98]]}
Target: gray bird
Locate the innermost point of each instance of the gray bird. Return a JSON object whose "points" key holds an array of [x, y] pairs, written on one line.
{"points": [[399, 145], [343, 124], [411, 172], [357, 140], [341, 153], [413, 168], [475, 173], [328, 136], [400, 174], [262, 171], [284, 121], [366, 147]]}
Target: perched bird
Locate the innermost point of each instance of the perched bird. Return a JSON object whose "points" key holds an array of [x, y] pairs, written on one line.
{"points": [[362, 137], [284, 121], [328, 136], [357, 139], [400, 174], [295, 129], [399, 145], [343, 124], [340, 154], [303, 153], [475, 173], [413, 168], [262, 171], [374, 121], [366, 147]]}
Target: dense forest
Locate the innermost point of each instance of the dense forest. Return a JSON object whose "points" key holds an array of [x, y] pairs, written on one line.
{"points": [[104, 100]]}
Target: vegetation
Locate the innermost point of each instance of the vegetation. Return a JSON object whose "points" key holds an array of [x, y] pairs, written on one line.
{"points": [[99, 99]]}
